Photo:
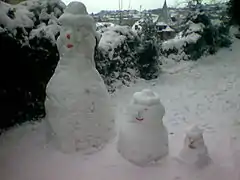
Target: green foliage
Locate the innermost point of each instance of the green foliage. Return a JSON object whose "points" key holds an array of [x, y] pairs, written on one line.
{"points": [[27, 70], [211, 37], [26, 73], [148, 52]]}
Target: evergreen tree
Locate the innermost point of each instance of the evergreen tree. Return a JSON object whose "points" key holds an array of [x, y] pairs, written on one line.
{"points": [[148, 53]]}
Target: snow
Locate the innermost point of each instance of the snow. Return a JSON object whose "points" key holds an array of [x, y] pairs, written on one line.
{"points": [[206, 93], [146, 97], [161, 24], [44, 15], [137, 27], [114, 37], [103, 26], [193, 28], [180, 42], [78, 111], [49, 32], [168, 29], [23, 18]]}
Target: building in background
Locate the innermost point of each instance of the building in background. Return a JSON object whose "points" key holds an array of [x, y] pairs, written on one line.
{"points": [[163, 23]]}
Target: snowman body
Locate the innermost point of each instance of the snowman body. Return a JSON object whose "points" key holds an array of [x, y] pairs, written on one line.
{"points": [[78, 109], [143, 138], [194, 151]]}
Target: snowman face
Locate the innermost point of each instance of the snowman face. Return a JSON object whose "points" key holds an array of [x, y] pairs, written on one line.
{"points": [[148, 115], [67, 38], [140, 115], [71, 35], [194, 142]]}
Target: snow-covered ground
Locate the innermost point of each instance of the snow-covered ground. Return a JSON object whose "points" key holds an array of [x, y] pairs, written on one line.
{"points": [[205, 92]]}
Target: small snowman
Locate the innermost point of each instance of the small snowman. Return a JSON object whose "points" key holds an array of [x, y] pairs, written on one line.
{"points": [[143, 138], [194, 151], [78, 109]]}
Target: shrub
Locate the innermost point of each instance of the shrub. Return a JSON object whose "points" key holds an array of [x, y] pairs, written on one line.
{"points": [[116, 56], [148, 52], [199, 37], [29, 57]]}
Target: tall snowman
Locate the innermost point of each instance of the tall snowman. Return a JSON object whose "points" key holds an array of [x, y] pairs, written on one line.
{"points": [[143, 138], [78, 109]]}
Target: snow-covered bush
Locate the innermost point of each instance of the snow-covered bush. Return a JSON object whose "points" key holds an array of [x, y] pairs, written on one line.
{"points": [[200, 36], [29, 55], [116, 56], [102, 26], [122, 56]]}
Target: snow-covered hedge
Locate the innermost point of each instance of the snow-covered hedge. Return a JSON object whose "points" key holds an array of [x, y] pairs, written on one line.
{"points": [[122, 56], [28, 57], [200, 36], [116, 56]]}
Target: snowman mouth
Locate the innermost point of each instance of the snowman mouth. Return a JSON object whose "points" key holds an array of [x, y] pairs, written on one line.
{"points": [[191, 146], [140, 119], [69, 46]]}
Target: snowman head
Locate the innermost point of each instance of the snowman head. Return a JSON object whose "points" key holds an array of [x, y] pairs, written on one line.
{"points": [[77, 28], [194, 137], [76, 8], [146, 107]]}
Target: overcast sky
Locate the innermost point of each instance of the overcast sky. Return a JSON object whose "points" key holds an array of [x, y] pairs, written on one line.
{"points": [[98, 5]]}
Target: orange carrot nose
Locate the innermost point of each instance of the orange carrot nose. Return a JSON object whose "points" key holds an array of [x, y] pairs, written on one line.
{"points": [[68, 36], [69, 45]]}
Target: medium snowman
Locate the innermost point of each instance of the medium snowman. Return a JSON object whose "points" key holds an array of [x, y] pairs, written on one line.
{"points": [[79, 116], [194, 152], [142, 137]]}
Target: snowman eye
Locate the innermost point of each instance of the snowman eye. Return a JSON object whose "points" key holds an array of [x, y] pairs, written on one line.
{"points": [[68, 36]]}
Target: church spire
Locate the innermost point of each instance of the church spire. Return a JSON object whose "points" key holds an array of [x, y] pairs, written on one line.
{"points": [[164, 15], [165, 4]]}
